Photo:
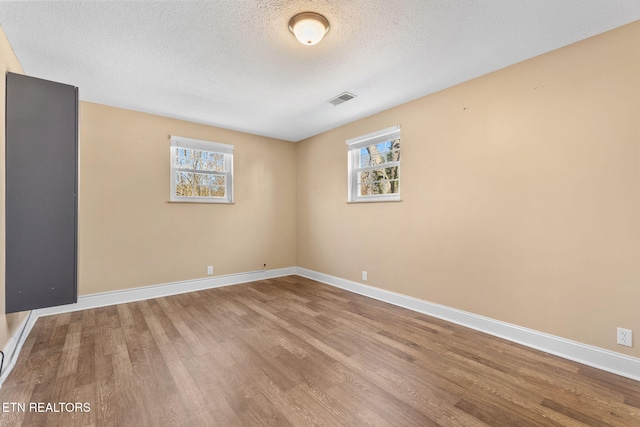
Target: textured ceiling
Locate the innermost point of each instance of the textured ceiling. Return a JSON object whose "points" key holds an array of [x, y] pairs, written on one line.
{"points": [[234, 64]]}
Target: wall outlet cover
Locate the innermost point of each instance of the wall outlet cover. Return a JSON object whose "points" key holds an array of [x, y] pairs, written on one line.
{"points": [[625, 337]]}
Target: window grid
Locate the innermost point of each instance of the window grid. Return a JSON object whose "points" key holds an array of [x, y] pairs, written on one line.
{"points": [[374, 166], [201, 171]]}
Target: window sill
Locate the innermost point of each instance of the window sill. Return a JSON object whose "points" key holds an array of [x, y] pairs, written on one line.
{"points": [[373, 201], [202, 202]]}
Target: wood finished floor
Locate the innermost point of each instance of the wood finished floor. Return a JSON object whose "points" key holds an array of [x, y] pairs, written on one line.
{"points": [[291, 351]]}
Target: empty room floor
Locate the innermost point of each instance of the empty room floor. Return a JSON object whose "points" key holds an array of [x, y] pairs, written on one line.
{"points": [[292, 351]]}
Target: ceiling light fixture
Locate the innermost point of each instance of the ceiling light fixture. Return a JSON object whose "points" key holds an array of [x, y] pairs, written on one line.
{"points": [[309, 27]]}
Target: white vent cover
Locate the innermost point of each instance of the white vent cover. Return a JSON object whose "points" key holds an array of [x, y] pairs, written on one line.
{"points": [[343, 97]]}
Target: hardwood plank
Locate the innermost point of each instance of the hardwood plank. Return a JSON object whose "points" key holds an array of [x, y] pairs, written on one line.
{"points": [[576, 414]]}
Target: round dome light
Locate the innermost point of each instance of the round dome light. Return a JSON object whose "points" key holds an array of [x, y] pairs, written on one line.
{"points": [[309, 27]]}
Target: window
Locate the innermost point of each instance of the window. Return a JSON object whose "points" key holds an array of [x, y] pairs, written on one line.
{"points": [[374, 166], [201, 171]]}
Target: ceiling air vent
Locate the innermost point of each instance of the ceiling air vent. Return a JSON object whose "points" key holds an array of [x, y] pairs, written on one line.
{"points": [[343, 97]]}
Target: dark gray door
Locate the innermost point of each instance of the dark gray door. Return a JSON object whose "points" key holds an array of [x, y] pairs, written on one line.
{"points": [[41, 193]]}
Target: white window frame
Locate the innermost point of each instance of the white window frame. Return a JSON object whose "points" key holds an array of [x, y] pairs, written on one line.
{"points": [[197, 144], [354, 145]]}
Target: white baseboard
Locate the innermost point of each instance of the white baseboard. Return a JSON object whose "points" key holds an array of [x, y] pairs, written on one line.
{"points": [[13, 347], [596, 357], [156, 291]]}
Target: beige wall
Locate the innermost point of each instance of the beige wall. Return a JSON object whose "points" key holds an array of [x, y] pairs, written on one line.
{"points": [[8, 62], [131, 236], [520, 196]]}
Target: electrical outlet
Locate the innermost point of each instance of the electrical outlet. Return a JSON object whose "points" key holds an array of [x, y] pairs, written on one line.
{"points": [[625, 337], [364, 275], [210, 269]]}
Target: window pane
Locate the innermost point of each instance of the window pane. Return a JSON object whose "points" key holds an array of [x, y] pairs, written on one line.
{"points": [[379, 181], [385, 174], [379, 188], [199, 160], [381, 153], [190, 184]]}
